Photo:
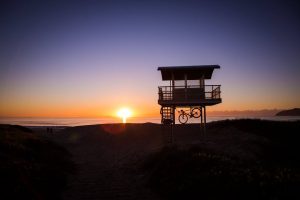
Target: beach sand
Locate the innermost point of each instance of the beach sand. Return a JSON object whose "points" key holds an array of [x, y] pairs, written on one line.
{"points": [[110, 158]]}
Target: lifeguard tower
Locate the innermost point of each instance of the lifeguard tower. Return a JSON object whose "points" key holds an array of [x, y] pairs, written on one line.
{"points": [[187, 89]]}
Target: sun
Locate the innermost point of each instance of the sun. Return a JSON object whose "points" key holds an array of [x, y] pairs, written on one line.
{"points": [[124, 113]]}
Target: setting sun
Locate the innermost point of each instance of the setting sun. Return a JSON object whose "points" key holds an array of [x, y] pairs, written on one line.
{"points": [[124, 113]]}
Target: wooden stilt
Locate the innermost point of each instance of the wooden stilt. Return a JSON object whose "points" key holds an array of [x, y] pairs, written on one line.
{"points": [[173, 124], [201, 120], [204, 119], [201, 114]]}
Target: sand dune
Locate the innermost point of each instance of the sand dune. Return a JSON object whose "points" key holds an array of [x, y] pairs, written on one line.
{"points": [[110, 159], [109, 156]]}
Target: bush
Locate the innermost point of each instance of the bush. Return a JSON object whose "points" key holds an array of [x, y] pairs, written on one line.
{"points": [[31, 167], [196, 172]]}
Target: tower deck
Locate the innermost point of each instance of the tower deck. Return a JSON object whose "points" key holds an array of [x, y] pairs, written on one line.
{"points": [[192, 95]]}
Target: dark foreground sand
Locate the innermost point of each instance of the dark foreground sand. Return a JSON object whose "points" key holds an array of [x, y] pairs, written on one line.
{"points": [[108, 158], [114, 161]]}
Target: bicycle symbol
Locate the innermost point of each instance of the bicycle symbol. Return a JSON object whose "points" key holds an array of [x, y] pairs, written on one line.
{"points": [[185, 115]]}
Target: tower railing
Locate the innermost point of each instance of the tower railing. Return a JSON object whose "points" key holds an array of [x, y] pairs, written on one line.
{"points": [[191, 92]]}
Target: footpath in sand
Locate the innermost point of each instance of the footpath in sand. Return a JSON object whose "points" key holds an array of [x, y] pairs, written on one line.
{"points": [[107, 158]]}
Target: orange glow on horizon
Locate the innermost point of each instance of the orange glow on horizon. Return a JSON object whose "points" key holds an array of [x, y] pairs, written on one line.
{"points": [[108, 108]]}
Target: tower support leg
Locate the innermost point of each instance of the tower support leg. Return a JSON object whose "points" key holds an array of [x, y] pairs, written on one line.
{"points": [[204, 128], [172, 125], [201, 119], [201, 115]]}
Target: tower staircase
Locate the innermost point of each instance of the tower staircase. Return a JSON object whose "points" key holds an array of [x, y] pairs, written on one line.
{"points": [[168, 121]]}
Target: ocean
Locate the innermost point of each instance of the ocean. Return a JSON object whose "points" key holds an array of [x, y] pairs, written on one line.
{"points": [[33, 121]]}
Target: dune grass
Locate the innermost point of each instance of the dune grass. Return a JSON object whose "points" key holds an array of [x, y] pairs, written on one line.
{"points": [[177, 173], [31, 167]]}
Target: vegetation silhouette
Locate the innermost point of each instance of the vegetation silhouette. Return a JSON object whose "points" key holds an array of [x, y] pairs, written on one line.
{"points": [[199, 171], [31, 167]]}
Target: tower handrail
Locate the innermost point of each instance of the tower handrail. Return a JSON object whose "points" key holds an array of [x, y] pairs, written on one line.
{"points": [[185, 92]]}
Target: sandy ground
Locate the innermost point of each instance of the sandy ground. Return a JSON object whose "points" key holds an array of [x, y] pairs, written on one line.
{"points": [[109, 157]]}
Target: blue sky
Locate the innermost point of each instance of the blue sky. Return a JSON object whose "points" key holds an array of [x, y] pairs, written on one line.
{"points": [[74, 57]]}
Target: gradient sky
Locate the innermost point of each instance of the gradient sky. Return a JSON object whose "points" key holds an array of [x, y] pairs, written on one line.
{"points": [[89, 58]]}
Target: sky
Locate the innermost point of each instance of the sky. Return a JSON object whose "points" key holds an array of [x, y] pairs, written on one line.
{"points": [[90, 58]]}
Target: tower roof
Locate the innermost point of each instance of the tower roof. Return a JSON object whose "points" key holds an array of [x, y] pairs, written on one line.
{"points": [[194, 72]]}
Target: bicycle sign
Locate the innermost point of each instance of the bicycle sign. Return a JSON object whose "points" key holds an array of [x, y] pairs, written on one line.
{"points": [[185, 115]]}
